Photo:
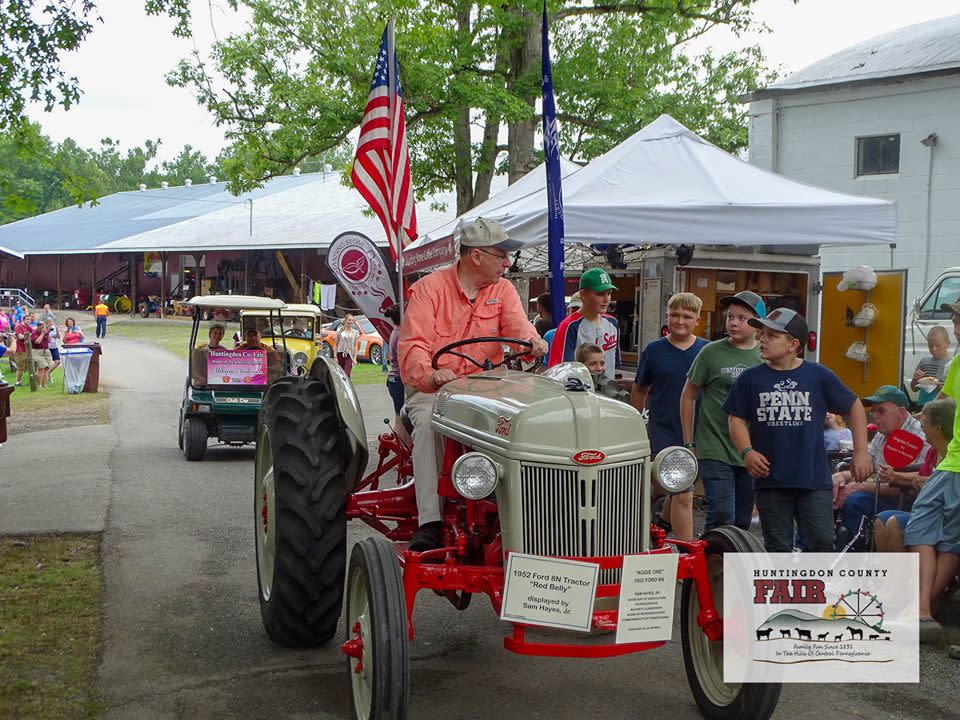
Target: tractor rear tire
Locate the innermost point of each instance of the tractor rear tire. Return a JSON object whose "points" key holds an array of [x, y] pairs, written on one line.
{"points": [[703, 658], [377, 617], [194, 439], [300, 512]]}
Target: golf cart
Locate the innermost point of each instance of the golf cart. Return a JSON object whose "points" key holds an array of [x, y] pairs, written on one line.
{"points": [[538, 471], [300, 328], [224, 388]]}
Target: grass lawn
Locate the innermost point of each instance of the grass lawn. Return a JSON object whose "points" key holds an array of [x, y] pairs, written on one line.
{"points": [[50, 626], [52, 407], [175, 337]]}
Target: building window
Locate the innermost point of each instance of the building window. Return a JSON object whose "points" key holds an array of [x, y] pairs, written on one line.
{"points": [[878, 155]]}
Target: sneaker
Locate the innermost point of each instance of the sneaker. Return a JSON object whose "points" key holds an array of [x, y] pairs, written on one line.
{"points": [[427, 537], [18, 384], [930, 630]]}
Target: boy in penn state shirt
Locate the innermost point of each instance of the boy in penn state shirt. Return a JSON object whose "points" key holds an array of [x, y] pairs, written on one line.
{"points": [[777, 415]]}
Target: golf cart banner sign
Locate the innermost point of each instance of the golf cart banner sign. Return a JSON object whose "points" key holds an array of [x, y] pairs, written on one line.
{"points": [[237, 367], [820, 617], [359, 267], [647, 589], [549, 591]]}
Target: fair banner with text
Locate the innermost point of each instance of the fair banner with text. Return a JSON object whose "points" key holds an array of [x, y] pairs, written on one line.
{"points": [[359, 267]]}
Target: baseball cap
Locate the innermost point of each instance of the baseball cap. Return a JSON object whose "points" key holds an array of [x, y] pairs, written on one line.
{"points": [[484, 233], [596, 279], [951, 307], [783, 320], [574, 301], [888, 393], [749, 300]]}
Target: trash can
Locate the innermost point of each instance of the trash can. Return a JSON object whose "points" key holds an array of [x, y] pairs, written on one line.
{"points": [[5, 392], [76, 367]]}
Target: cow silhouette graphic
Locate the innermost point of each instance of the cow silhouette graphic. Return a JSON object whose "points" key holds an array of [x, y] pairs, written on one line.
{"points": [[803, 634], [823, 636], [764, 633], [855, 633], [784, 633]]}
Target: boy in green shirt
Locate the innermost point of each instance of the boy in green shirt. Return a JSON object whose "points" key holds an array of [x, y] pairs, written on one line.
{"points": [[933, 530], [727, 485]]}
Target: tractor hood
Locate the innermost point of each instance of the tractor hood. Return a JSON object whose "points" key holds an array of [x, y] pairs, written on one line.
{"points": [[530, 418]]}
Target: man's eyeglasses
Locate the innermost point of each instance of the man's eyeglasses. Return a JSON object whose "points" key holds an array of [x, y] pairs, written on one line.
{"points": [[498, 256]]}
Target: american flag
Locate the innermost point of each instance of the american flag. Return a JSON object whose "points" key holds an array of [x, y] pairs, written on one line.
{"points": [[381, 169]]}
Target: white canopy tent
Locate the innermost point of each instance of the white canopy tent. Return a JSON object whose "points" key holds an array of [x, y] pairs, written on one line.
{"points": [[665, 185]]}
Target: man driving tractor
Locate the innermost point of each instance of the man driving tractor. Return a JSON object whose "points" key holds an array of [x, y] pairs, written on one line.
{"points": [[467, 300]]}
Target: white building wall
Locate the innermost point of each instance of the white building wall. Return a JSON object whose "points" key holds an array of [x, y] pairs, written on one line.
{"points": [[811, 137]]}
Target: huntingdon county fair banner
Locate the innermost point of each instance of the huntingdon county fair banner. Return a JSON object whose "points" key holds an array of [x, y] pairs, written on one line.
{"points": [[359, 267]]}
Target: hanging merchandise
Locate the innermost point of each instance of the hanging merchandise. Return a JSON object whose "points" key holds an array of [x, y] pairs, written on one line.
{"points": [[861, 277], [866, 317], [858, 351]]}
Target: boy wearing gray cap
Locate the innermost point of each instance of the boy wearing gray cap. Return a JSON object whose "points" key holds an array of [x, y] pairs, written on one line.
{"points": [[777, 412]]}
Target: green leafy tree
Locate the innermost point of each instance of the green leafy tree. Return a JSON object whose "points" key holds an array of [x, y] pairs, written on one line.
{"points": [[294, 84], [189, 164]]}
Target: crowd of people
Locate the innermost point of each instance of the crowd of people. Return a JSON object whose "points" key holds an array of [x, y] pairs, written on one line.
{"points": [[27, 334]]}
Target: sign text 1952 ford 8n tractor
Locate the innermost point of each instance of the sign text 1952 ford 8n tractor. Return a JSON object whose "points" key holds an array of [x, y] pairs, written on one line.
{"points": [[541, 479]]}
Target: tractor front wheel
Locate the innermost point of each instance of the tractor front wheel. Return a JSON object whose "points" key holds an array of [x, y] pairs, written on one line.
{"points": [[377, 649], [703, 658], [300, 512]]}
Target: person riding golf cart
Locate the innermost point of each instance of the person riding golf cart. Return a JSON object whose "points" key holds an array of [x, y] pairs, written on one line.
{"points": [[300, 328], [225, 386]]}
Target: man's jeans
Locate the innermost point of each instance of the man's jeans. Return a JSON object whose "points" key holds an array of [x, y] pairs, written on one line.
{"points": [[858, 505], [729, 494], [811, 509], [101, 326]]}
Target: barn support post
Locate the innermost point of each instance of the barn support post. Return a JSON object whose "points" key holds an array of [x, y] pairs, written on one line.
{"points": [[133, 284], [93, 279], [163, 285], [197, 259], [247, 272], [59, 281]]}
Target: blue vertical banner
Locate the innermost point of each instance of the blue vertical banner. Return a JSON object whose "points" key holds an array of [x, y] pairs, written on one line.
{"points": [[551, 152]]}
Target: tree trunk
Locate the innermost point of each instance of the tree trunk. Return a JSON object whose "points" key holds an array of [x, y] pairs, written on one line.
{"points": [[462, 149], [523, 79], [488, 160]]}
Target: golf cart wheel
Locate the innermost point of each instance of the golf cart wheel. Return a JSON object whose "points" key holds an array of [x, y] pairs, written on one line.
{"points": [[377, 630], [180, 431], [300, 512], [376, 354], [703, 658], [194, 439]]}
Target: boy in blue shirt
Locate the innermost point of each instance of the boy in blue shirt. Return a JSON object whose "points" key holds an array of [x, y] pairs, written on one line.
{"points": [[777, 415], [661, 375]]}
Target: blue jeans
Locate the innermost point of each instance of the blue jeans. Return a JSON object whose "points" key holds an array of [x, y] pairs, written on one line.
{"points": [[858, 505], [812, 510], [729, 493], [101, 326]]}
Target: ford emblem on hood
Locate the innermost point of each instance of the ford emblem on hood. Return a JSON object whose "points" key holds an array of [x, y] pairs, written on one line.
{"points": [[588, 457]]}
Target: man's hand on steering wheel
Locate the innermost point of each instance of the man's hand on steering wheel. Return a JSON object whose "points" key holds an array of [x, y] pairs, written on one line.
{"points": [[538, 346], [442, 377]]}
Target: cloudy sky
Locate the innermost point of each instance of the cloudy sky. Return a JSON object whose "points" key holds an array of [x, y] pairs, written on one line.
{"points": [[121, 67]]}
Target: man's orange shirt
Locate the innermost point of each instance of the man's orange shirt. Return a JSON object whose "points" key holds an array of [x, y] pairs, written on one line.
{"points": [[101, 310], [439, 313]]}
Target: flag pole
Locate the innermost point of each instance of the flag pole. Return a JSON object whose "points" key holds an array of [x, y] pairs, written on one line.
{"points": [[551, 156], [392, 69]]}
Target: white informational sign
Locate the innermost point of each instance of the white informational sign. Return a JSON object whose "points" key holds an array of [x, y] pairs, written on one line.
{"points": [[549, 591], [817, 617], [647, 589]]}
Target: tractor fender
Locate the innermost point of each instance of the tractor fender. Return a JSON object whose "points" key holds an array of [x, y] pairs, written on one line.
{"points": [[350, 415]]}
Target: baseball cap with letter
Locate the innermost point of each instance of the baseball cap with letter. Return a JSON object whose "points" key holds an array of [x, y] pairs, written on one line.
{"points": [[484, 233], [596, 279], [747, 299], [783, 320], [888, 393]]}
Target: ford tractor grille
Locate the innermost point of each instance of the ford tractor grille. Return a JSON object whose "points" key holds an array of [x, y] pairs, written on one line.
{"points": [[593, 512]]}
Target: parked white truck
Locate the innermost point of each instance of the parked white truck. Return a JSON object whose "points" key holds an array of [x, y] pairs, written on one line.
{"points": [[926, 314]]}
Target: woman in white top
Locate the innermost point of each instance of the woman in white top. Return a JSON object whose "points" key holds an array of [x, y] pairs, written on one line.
{"points": [[346, 349]]}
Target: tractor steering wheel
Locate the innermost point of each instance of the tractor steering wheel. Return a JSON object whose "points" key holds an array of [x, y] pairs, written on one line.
{"points": [[486, 364]]}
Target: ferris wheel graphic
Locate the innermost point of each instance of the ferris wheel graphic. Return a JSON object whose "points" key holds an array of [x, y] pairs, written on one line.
{"points": [[857, 605]]}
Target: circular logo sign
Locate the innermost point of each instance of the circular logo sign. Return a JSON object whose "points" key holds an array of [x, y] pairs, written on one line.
{"points": [[901, 448], [355, 265], [588, 457]]}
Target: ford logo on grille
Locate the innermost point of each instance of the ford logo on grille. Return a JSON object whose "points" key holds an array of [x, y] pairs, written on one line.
{"points": [[588, 457]]}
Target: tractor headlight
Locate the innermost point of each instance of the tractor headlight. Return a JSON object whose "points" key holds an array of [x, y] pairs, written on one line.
{"points": [[675, 469], [300, 358], [474, 476]]}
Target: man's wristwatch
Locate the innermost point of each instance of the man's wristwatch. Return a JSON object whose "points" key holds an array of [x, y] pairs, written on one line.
{"points": [[743, 453], [690, 445]]}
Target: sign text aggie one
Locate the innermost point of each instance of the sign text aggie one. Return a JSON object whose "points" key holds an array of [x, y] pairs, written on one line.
{"points": [[814, 617]]}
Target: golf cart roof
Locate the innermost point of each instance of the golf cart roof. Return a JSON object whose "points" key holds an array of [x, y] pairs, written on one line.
{"points": [[237, 302], [289, 309]]}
